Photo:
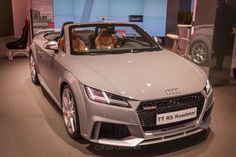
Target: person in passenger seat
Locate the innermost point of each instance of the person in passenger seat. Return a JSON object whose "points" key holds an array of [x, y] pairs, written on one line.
{"points": [[105, 39]]}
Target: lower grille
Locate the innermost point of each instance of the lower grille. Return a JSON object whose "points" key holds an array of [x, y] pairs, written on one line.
{"points": [[148, 117], [113, 131]]}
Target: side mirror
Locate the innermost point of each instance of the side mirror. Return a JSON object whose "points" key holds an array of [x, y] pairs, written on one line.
{"points": [[157, 40], [51, 45]]}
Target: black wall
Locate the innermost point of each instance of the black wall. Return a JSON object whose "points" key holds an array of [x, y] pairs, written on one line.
{"points": [[233, 4], [171, 21], [185, 5], [6, 18], [205, 14]]}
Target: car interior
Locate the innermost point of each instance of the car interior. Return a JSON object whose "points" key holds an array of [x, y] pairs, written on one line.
{"points": [[102, 37], [105, 39]]}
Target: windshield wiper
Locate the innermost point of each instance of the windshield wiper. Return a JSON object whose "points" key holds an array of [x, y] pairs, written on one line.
{"points": [[143, 50], [134, 50]]}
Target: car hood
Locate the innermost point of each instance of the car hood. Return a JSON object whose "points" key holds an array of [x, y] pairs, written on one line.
{"points": [[141, 76]]}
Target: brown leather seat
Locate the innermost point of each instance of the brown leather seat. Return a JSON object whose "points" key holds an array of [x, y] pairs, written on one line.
{"points": [[61, 40], [77, 43], [105, 40]]}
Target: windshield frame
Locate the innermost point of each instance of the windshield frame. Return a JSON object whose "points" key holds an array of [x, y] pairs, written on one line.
{"points": [[153, 45]]}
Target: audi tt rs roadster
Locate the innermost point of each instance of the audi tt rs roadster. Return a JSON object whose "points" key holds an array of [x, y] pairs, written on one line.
{"points": [[115, 85]]}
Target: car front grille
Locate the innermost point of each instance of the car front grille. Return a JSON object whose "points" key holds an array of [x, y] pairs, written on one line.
{"points": [[148, 117]]}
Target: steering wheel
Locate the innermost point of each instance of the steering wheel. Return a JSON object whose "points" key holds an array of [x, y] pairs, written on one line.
{"points": [[57, 39], [121, 41]]}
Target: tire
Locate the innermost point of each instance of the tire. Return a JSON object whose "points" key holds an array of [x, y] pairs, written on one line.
{"points": [[199, 52], [33, 70], [70, 113]]}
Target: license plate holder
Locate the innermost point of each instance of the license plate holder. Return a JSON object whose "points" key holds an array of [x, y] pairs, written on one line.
{"points": [[177, 116]]}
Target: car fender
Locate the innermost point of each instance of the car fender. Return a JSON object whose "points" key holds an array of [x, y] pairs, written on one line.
{"points": [[75, 85]]}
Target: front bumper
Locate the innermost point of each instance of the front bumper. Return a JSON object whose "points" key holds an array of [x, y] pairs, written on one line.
{"points": [[97, 114]]}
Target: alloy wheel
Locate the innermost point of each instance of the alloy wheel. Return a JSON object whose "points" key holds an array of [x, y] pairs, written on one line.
{"points": [[199, 53], [32, 69], [69, 111]]}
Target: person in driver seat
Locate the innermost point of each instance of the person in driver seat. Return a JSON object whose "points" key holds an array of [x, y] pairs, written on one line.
{"points": [[105, 40]]}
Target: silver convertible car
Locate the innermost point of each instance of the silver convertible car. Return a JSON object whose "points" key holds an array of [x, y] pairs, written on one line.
{"points": [[115, 85]]}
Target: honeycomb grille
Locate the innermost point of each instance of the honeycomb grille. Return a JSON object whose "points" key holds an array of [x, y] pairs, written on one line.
{"points": [[113, 131], [148, 117]]}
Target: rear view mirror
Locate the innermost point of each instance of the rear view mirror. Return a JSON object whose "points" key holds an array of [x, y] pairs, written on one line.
{"points": [[51, 45]]}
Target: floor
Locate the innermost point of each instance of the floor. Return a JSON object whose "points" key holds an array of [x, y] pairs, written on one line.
{"points": [[30, 125]]}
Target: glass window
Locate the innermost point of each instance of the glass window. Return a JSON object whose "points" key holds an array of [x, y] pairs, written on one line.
{"points": [[109, 39]]}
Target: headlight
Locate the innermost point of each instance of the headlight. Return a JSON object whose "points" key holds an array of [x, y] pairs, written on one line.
{"points": [[107, 98], [207, 87]]}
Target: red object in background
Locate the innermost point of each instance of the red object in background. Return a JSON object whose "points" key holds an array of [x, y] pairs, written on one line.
{"points": [[194, 34], [120, 31], [51, 25]]}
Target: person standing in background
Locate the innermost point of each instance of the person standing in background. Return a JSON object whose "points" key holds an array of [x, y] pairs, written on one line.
{"points": [[223, 38]]}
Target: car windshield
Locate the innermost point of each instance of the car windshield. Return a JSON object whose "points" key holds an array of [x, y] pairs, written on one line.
{"points": [[110, 39]]}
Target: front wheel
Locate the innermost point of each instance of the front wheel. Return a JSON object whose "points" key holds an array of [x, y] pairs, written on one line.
{"points": [[199, 53], [70, 114]]}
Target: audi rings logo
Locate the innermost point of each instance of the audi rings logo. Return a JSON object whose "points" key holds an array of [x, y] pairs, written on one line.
{"points": [[172, 91]]}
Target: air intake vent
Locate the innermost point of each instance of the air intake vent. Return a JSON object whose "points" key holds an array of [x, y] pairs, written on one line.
{"points": [[113, 131]]}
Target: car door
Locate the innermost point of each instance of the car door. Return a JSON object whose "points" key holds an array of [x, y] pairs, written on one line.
{"points": [[45, 59], [50, 68], [55, 69]]}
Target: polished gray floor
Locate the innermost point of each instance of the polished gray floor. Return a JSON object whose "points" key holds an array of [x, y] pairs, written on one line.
{"points": [[31, 126]]}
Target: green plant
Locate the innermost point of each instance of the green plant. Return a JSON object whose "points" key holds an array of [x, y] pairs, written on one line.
{"points": [[184, 17]]}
